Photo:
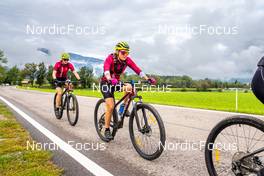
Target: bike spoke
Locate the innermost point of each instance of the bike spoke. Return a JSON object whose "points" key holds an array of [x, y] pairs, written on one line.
{"points": [[247, 145], [260, 139]]}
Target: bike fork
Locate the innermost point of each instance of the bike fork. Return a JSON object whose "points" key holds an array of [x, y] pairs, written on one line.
{"points": [[135, 104]]}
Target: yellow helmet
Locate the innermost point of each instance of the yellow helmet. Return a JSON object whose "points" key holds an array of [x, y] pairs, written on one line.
{"points": [[65, 56], [122, 46]]}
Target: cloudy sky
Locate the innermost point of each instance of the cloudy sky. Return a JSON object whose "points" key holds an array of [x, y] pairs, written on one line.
{"points": [[200, 38]]}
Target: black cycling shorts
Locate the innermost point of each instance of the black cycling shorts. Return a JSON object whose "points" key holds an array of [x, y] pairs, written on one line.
{"points": [[108, 90], [59, 84]]}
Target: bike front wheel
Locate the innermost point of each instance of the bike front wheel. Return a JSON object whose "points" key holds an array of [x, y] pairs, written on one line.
{"points": [[72, 110], [99, 120], [59, 116], [232, 139], [149, 137]]}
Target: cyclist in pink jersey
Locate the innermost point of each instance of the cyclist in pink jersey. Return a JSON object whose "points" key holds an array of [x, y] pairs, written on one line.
{"points": [[59, 73], [114, 65]]}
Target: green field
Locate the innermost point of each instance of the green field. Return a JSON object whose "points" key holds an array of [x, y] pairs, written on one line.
{"points": [[223, 101]]}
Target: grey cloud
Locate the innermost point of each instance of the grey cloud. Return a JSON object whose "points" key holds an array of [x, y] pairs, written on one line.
{"points": [[137, 22]]}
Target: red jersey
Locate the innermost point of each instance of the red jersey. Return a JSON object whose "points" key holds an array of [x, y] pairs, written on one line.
{"points": [[116, 67], [62, 69]]}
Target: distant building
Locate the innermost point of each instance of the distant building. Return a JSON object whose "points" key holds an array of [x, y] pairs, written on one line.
{"points": [[25, 82]]}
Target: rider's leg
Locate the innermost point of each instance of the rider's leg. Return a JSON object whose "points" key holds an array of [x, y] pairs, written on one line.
{"points": [[109, 110], [127, 88], [58, 98]]}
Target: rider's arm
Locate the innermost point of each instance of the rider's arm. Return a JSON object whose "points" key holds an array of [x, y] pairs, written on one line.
{"points": [[107, 66], [55, 69], [74, 71], [76, 75], [136, 69], [54, 74]]}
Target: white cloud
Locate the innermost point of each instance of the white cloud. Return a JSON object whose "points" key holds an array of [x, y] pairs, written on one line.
{"points": [[214, 56]]}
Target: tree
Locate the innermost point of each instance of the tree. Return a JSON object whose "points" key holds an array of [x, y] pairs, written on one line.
{"points": [[2, 74], [12, 76], [202, 85], [30, 72], [187, 81], [3, 69], [3, 59], [41, 73], [86, 75], [49, 75]]}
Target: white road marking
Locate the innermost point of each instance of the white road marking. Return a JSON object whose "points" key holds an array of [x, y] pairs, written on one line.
{"points": [[79, 157]]}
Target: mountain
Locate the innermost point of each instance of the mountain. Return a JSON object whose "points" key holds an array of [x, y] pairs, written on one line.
{"points": [[44, 50], [91, 62], [79, 61]]}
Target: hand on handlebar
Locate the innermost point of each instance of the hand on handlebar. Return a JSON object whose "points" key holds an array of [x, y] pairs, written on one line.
{"points": [[55, 81], [113, 81], [152, 81]]}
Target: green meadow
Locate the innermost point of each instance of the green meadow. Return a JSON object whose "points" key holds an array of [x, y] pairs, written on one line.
{"points": [[223, 101]]}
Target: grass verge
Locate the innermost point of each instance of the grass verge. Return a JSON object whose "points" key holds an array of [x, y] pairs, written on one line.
{"points": [[15, 158]]}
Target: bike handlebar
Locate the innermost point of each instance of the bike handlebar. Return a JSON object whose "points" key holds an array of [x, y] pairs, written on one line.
{"points": [[67, 81], [132, 82]]}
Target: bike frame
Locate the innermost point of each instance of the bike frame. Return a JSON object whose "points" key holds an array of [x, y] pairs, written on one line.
{"points": [[65, 99], [66, 92], [132, 95], [249, 155]]}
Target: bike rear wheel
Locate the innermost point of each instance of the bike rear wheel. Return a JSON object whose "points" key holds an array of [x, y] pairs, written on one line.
{"points": [[60, 109], [99, 120], [149, 140], [72, 110], [229, 141]]}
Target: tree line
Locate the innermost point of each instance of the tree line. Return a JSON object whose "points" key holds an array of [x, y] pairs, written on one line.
{"points": [[186, 82], [38, 74]]}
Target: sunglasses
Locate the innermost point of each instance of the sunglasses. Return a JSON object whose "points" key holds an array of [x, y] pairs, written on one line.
{"points": [[124, 52], [65, 59]]}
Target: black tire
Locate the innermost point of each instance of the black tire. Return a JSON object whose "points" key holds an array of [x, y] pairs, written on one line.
{"points": [[72, 120], [234, 120], [162, 132], [99, 121], [54, 106]]}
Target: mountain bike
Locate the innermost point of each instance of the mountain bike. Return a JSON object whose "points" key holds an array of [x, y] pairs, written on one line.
{"points": [[68, 102], [235, 146], [146, 128]]}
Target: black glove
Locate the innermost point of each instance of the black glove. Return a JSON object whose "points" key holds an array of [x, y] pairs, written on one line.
{"points": [[152, 81], [55, 82]]}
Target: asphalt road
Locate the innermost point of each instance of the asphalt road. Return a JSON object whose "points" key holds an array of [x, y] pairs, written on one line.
{"points": [[183, 126]]}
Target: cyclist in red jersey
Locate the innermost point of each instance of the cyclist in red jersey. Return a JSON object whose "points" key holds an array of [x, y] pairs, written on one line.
{"points": [[59, 73], [114, 65]]}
